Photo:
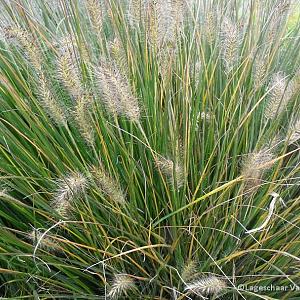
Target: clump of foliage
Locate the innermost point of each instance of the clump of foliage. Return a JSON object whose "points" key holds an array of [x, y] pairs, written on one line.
{"points": [[149, 150]]}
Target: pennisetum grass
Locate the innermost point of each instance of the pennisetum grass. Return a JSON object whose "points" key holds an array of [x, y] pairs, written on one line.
{"points": [[117, 95], [68, 190], [123, 125], [121, 285], [208, 285]]}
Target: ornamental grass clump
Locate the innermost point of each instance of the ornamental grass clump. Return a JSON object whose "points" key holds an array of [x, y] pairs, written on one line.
{"points": [[145, 148]]}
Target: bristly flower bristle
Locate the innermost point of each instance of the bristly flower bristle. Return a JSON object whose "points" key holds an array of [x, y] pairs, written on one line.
{"points": [[121, 285], [173, 172], [96, 14], [254, 167], [165, 25], [210, 26], [118, 54], [44, 242], [117, 94], [168, 22], [108, 185], [294, 132], [34, 54], [189, 271], [28, 43], [279, 13], [230, 44], [206, 286], [259, 72], [53, 108], [278, 98], [83, 118], [137, 10], [67, 66], [69, 189]]}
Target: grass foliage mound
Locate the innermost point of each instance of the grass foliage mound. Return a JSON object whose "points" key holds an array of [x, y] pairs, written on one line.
{"points": [[149, 150]]}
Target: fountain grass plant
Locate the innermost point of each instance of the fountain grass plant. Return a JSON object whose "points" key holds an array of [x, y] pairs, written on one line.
{"points": [[149, 150]]}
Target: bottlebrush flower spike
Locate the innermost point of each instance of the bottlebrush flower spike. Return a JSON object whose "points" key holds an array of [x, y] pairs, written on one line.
{"points": [[277, 98], [254, 167], [259, 72], [173, 172], [294, 132], [108, 185], [210, 25], [96, 14], [206, 286], [167, 22], [50, 104], [83, 118], [189, 271], [118, 54], [230, 44], [26, 40], [136, 13], [117, 95], [34, 54], [67, 66], [279, 13], [68, 190], [121, 285], [293, 86], [44, 242]]}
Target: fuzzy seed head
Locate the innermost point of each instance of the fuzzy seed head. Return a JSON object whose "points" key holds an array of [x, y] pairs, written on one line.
{"points": [[173, 172], [210, 25], [67, 66], [293, 86], [280, 11], [205, 286], [189, 271], [281, 8], [96, 15], [122, 283], [294, 132], [259, 72], [108, 185], [117, 95], [254, 167], [44, 242], [50, 104], [29, 44], [137, 10], [69, 189], [83, 118], [33, 52], [277, 98], [118, 54], [230, 44], [166, 22]]}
